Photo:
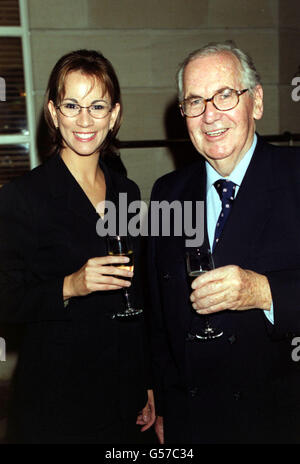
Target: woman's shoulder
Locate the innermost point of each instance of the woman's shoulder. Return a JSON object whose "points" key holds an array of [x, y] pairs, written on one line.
{"points": [[29, 186]]}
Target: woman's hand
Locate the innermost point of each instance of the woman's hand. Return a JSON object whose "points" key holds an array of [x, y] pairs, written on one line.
{"points": [[147, 416], [98, 274]]}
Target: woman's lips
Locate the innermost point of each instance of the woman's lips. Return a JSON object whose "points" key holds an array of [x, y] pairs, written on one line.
{"points": [[84, 136]]}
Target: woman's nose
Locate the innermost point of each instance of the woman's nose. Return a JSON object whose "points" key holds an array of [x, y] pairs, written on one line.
{"points": [[84, 118]]}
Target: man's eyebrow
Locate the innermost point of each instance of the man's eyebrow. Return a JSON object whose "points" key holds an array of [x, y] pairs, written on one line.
{"points": [[199, 96], [193, 96]]}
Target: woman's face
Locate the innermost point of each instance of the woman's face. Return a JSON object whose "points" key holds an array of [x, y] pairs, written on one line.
{"points": [[83, 134]]}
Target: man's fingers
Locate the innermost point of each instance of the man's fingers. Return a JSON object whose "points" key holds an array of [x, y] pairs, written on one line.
{"points": [[209, 302]]}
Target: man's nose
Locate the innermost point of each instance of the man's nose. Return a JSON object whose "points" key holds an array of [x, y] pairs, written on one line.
{"points": [[84, 118], [211, 113]]}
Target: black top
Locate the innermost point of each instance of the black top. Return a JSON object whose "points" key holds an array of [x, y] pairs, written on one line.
{"points": [[79, 371]]}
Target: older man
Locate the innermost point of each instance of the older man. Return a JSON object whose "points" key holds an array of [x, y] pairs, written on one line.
{"points": [[240, 384]]}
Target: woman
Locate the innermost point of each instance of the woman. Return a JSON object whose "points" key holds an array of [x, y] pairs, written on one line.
{"points": [[81, 376]]}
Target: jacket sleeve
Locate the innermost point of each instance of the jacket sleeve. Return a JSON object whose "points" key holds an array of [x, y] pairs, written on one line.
{"points": [[285, 289], [24, 295]]}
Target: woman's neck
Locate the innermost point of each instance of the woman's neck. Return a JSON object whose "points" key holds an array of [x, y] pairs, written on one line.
{"points": [[85, 169]]}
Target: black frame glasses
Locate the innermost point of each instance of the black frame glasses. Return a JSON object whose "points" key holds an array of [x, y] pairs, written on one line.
{"points": [[80, 108], [204, 101]]}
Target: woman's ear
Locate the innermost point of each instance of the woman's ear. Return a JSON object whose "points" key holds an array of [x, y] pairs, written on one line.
{"points": [[53, 112], [113, 115]]}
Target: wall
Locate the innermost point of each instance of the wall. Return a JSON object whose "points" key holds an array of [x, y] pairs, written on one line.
{"points": [[146, 40], [288, 49]]}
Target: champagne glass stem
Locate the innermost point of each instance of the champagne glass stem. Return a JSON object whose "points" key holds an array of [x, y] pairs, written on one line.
{"points": [[127, 302]]}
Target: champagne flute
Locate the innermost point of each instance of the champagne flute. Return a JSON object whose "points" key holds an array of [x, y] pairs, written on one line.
{"points": [[121, 246], [198, 262]]}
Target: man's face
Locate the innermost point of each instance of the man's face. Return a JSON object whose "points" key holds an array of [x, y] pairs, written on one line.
{"points": [[222, 137]]}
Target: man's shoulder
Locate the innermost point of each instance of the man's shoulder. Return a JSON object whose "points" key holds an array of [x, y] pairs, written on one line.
{"points": [[284, 161], [165, 185], [279, 152]]}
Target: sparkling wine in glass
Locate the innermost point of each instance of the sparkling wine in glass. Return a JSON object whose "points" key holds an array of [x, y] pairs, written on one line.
{"points": [[199, 261], [121, 246]]}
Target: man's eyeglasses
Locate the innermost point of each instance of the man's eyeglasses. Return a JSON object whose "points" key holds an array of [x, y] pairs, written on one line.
{"points": [[224, 100], [98, 111]]}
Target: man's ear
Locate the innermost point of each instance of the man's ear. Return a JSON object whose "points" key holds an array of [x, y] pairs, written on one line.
{"points": [[258, 107], [52, 111]]}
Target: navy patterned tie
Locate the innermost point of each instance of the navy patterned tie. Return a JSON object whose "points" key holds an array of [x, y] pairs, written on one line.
{"points": [[226, 191]]}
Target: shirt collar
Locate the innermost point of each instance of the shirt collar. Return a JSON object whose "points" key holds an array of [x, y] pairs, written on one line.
{"points": [[237, 174]]}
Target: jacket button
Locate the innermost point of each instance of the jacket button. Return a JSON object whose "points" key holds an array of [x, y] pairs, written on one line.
{"points": [[189, 337], [232, 339], [193, 391]]}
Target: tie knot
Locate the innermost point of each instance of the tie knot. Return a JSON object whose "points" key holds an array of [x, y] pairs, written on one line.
{"points": [[225, 189]]}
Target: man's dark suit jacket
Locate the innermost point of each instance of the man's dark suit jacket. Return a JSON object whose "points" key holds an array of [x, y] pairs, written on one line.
{"points": [[243, 387], [80, 373]]}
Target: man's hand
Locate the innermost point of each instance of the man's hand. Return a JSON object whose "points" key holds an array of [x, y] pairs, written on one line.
{"points": [[146, 417], [230, 287], [159, 429]]}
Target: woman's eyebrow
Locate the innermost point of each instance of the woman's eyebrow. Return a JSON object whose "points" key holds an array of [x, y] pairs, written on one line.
{"points": [[93, 102]]}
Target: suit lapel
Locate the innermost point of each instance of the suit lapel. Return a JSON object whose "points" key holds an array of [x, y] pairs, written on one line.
{"points": [[195, 191], [63, 184]]}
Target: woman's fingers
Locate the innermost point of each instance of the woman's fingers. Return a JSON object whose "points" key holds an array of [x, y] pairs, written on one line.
{"points": [[123, 271], [100, 273], [109, 259]]}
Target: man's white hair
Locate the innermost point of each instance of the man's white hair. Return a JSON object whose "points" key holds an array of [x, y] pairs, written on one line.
{"points": [[249, 75]]}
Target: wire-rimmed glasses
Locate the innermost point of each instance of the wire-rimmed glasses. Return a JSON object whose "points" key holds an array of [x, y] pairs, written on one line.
{"points": [[224, 100], [97, 110]]}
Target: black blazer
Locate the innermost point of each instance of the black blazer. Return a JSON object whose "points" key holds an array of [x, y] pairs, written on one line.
{"points": [[252, 360], [79, 371]]}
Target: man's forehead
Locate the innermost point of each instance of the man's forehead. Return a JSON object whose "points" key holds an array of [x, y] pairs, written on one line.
{"points": [[211, 73], [223, 60]]}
